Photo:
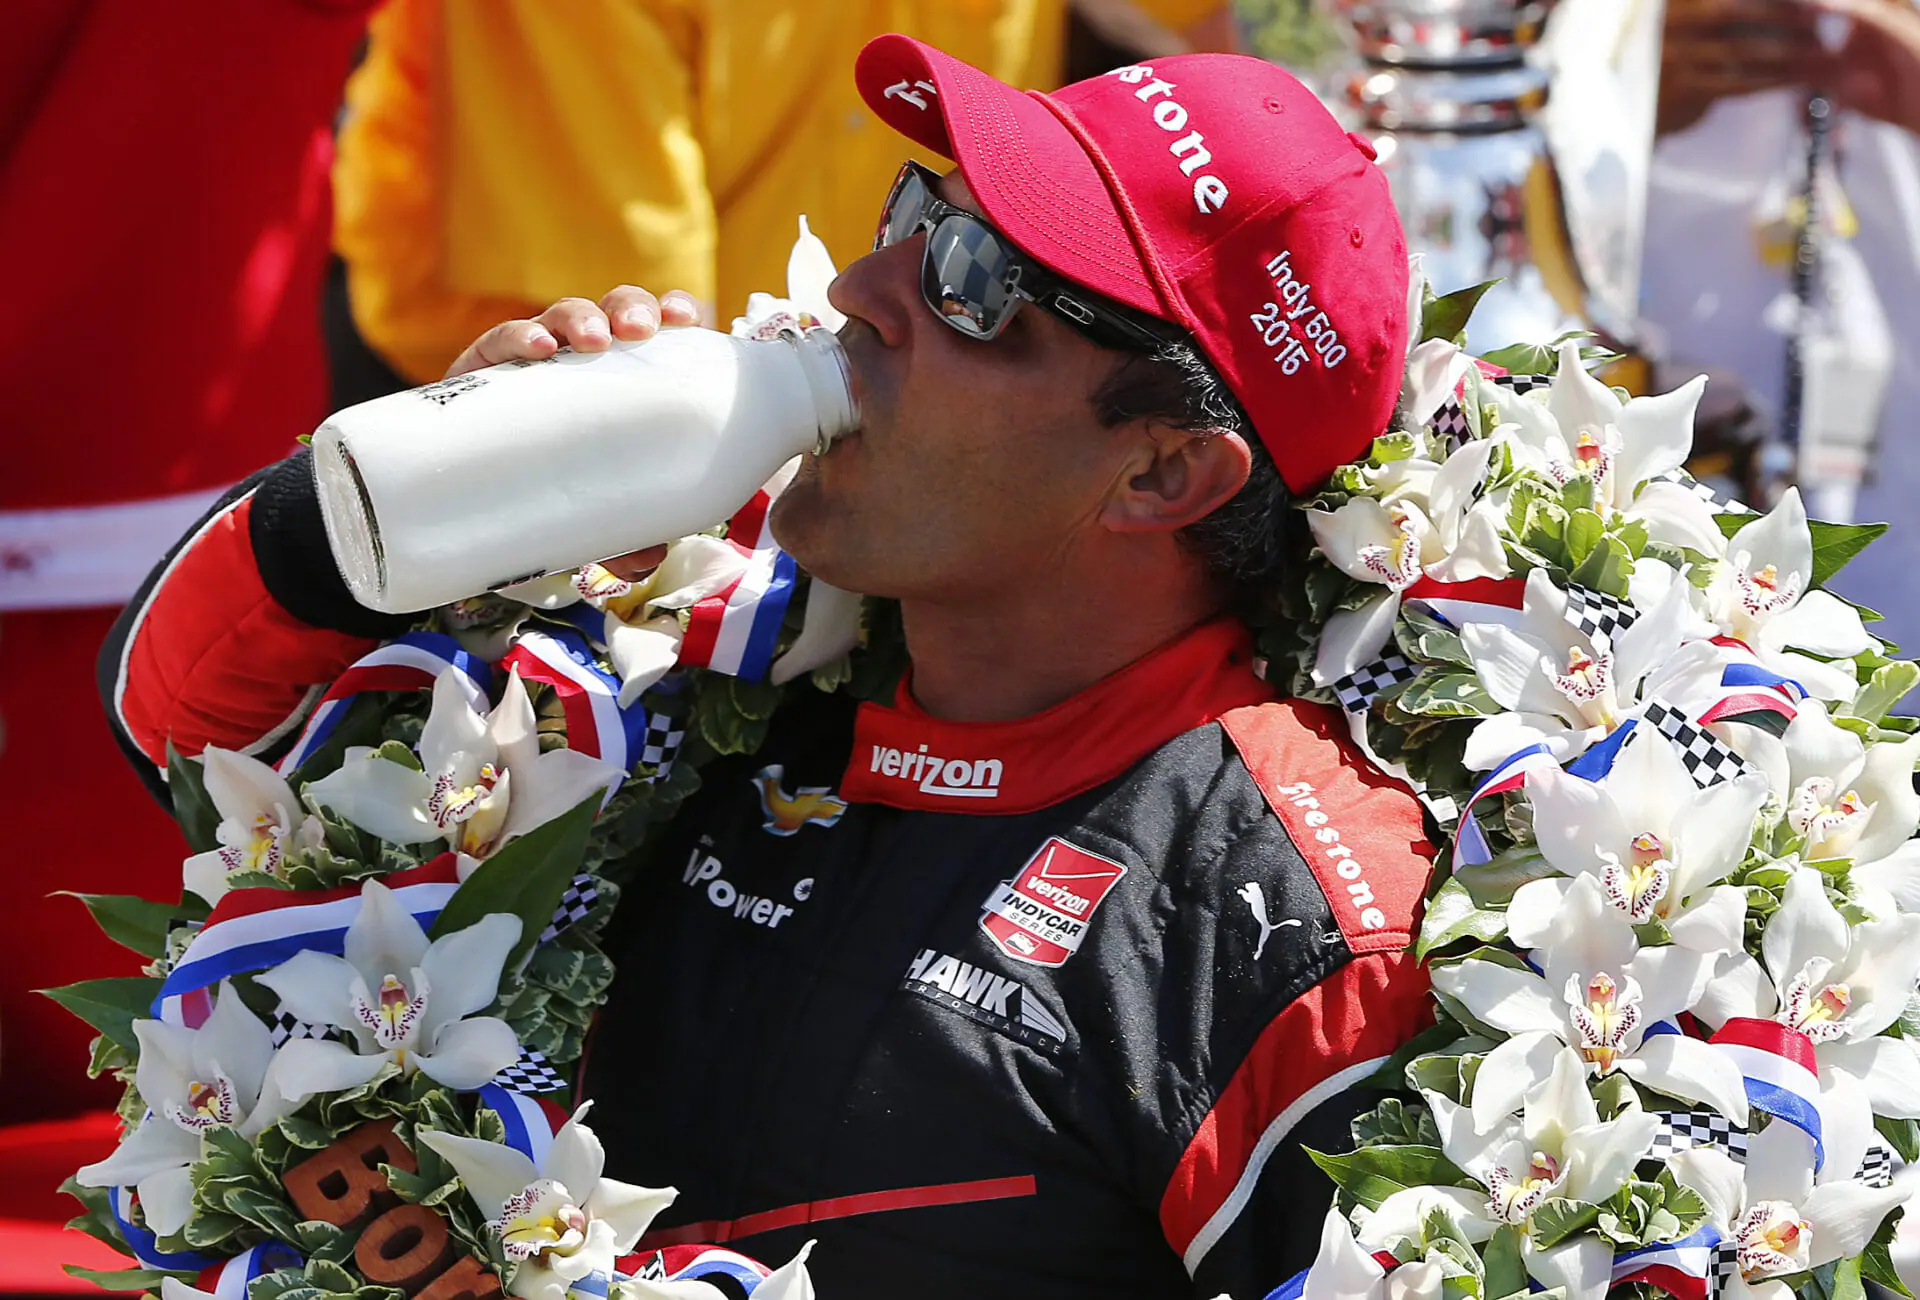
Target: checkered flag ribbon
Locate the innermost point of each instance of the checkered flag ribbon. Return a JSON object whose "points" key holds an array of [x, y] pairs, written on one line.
{"points": [[1524, 383], [1357, 689], [530, 1074], [662, 745], [1449, 423], [285, 1027], [1596, 612], [1726, 1262], [582, 893], [1708, 761], [1702, 491], [1876, 1167], [1684, 1130]]}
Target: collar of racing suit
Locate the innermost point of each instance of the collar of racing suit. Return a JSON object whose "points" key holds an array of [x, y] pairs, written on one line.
{"points": [[904, 758]]}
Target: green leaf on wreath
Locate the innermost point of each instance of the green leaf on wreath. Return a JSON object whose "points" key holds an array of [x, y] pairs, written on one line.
{"points": [[1446, 695], [1372, 1174], [1451, 916], [1886, 688], [1903, 1135], [1559, 1218], [126, 1279], [279, 1283], [1846, 1280], [1833, 544], [1606, 568], [1446, 317], [1876, 1261], [110, 1005], [192, 806], [138, 923], [1495, 881], [525, 879], [331, 1276], [1503, 1263], [1395, 1122]]}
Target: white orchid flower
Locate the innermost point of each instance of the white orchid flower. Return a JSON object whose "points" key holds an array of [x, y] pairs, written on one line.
{"points": [[402, 1000], [1599, 993], [1657, 843], [1843, 798], [262, 825], [1779, 1220], [558, 1221], [1584, 430], [1838, 984], [1566, 690], [1559, 1148], [1344, 1270], [192, 1080], [643, 629], [485, 781], [1760, 596], [1427, 523]]}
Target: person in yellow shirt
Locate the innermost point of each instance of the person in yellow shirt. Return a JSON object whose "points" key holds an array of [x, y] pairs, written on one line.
{"points": [[499, 154]]}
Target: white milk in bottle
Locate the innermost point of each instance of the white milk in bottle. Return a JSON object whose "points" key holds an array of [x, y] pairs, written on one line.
{"points": [[533, 467]]}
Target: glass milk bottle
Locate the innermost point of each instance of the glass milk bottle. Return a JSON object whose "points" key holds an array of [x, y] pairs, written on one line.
{"points": [[534, 467]]}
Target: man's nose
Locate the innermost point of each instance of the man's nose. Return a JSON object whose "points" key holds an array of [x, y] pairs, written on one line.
{"points": [[882, 289]]}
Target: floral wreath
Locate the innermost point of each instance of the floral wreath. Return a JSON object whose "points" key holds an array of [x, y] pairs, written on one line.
{"points": [[1673, 933]]}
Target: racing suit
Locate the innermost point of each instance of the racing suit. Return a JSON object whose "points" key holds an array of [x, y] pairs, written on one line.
{"points": [[1047, 1007]]}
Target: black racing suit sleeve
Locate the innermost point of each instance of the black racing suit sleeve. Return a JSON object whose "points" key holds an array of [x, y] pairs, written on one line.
{"points": [[253, 582]]}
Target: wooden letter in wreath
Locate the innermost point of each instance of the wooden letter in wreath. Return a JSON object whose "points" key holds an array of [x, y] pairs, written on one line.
{"points": [[406, 1247], [342, 1185]]}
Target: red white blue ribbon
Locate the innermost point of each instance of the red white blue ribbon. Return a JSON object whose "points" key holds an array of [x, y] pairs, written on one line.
{"points": [[1781, 1072], [228, 1279], [254, 929], [734, 631], [589, 695], [144, 1245], [530, 1122], [1470, 847], [1683, 1269], [1477, 600], [1749, 688], [692, 1264], [412, 661]]}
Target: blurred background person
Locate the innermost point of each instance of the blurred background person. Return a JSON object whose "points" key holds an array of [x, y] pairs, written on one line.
{"points": [[1725, 200], [497, 156], [163, 171]]}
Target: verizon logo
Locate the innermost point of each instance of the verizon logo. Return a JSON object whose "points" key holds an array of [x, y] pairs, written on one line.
{"points": [[957, 778]]}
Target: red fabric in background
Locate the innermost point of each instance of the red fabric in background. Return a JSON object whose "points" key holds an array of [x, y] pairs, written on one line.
{"points": [[164, 226]]}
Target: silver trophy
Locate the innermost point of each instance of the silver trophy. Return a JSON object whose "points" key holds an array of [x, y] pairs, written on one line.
{"points": [[1517, 135]]}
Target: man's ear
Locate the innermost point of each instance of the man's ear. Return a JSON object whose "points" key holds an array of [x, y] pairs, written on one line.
{"points": [[1177, 478]]}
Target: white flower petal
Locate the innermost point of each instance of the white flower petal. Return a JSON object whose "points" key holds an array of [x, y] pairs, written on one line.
{"points": [[1342, 1270], [694, 568], [789, 1281], [1845, 1215], [313, 987], [1711, 837], [810, 274], [1576, 820], [383, 939], [575, 1157], [513, 728], [453, 727], [1780, 538], [1434, 370], [1494, 740], [1601, 1157], [627, 1209], [1821, 623], [1353, 637], [382, 798], [1739, 987], [1890, 884], [242, 786], [157, 1145], [1535, 905], [308, 1067], [492, 1171], [1583, 1265], [830, 627], [463, 969], [1349, 534], [642, 653], [1690, 1070], [1656, 433], [1720, 1182], [1403, 1215], [165, 1067], [1713, 922], [558, 782], [206, 874], [1805, 927], [1477, 552], [1514, 1001], [166, 1199], [468, 1053], [1886, 782], [1674, 515], [235, 1043]]}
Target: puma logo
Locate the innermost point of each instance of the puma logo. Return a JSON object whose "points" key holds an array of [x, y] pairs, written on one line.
{"points": [[1256, 900], [787, 813]]}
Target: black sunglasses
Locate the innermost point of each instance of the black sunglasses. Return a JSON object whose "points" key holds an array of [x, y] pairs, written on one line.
{"points": [[974, 278]]}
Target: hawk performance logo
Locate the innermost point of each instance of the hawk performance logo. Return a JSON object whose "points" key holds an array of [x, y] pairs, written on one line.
{"points": [[993, 1000]]}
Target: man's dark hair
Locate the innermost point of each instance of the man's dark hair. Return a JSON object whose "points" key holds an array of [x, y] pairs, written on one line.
{"points": [[1244, 543]]}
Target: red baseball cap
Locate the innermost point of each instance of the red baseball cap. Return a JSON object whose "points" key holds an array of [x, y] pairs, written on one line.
{"points": [[1211, 190]]}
